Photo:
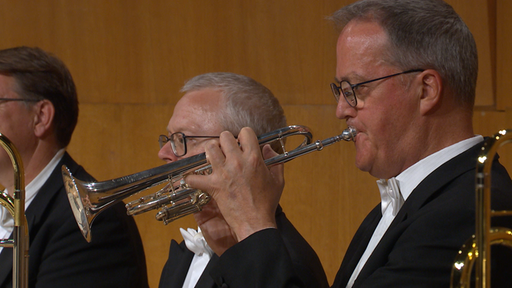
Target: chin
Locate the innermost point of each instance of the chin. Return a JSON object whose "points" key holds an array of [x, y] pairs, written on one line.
{"points": [[362, 165], [363, 161]]}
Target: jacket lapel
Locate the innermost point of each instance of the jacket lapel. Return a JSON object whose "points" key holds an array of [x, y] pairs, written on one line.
{"points": [[422, 194], [206, 281], [357, 247], [6, 267], [176, 267], [47, 192]]}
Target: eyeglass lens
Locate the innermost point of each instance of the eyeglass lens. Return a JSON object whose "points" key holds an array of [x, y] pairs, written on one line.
{"points": [[348, 93], [178, 144], [346, 89]]}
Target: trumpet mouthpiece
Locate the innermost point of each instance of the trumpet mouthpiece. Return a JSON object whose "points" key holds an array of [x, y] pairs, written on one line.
{"points": [[349, 134]]}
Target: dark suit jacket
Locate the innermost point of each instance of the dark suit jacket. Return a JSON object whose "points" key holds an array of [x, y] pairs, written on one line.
{"points": [[417, 250], [305, 261], [59, 254]]}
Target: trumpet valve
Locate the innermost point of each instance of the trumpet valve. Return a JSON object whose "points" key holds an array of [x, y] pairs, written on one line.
{"points": [[192, 203]]}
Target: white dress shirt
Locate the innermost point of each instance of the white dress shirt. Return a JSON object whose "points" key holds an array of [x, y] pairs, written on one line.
{"points": [[196, 243], [31, 190], [395, 191]]}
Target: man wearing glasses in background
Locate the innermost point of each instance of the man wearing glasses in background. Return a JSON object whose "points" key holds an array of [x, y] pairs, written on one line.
{"points": [[406, 75], [38, 113], [213, 103]]}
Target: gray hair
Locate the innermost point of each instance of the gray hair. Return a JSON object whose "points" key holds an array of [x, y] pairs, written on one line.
{"points": [[425, 34], [247, 102]]}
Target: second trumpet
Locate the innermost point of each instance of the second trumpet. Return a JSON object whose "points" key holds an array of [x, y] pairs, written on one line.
{"points": [[87, 199]]}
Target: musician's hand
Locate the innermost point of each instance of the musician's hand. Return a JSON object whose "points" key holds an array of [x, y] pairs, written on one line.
{"points": [[246, 190], [215, 230]]}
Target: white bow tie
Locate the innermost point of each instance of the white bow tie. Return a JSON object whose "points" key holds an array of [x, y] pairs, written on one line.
{"points": [[6, 220], [390, 195], [195, 242]]}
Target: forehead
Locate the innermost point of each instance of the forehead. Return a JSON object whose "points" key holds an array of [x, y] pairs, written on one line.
{"points": [[197, 112], [359, 49]]}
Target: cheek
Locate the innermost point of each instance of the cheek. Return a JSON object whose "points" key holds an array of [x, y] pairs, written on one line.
{"points": [[371, 140], [195, 149], [365, 152], [15, 121]]}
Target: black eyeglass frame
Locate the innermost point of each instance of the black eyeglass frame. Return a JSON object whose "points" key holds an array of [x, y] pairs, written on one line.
{"points": [[162, 140], [20, 99], [337, 90]]}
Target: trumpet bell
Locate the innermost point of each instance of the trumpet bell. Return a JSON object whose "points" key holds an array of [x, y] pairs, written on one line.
{"points": [[79, 201]]}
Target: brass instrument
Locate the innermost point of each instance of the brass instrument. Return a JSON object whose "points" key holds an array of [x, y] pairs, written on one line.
{"points": [[477, 249], [89, 199], [16, 206]]}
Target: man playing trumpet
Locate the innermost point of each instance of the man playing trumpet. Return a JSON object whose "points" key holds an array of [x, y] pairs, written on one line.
{"points": [[213, 103], [405, 80]]}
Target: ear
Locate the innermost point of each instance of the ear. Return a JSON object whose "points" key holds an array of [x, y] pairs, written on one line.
{"points": [[432, 87], [43, 118]]}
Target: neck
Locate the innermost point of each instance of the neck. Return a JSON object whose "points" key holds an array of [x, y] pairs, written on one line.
{"points": [[32, 164], [443, 130]]}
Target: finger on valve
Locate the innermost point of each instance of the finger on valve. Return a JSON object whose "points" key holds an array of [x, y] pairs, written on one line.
{"points": [[246, 191]]}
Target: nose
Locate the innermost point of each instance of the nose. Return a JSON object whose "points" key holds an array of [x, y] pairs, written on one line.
{"points": [[344, 110], [166, 153]]}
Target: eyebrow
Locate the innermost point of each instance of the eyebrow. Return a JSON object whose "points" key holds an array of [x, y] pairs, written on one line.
{"points": [[180, 129], [358, 78]]}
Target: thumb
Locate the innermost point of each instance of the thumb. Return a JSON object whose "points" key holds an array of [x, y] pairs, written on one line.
{"points": [[277, 171]]}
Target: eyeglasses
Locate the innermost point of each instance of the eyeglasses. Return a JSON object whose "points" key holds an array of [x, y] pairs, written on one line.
{"points": [[348, 90], [20, 99], [178, 142]]}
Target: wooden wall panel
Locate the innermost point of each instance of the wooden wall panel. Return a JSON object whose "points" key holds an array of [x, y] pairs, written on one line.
{"points": [[140, 51], [504, 54], [479, 19], [129, 59]]}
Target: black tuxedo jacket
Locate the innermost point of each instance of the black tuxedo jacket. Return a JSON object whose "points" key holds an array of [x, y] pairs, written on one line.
{"points": [[60, 256], [305, 261], [417, 250]]}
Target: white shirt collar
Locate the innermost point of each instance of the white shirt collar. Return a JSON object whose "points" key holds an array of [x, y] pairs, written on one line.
{"points": [[412, 176], [31, 190], [33, 187]]}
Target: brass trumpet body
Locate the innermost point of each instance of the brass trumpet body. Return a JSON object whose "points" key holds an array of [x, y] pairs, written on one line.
{"points": [[89, 199], [16, 207], [476, 251]]}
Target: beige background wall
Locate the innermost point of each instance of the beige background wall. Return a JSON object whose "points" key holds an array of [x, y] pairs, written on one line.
{"points": [[129, 58]]}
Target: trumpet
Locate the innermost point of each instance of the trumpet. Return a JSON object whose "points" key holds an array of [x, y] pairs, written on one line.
{"points": [[477, 249], [16, 207], [87, 199]]}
